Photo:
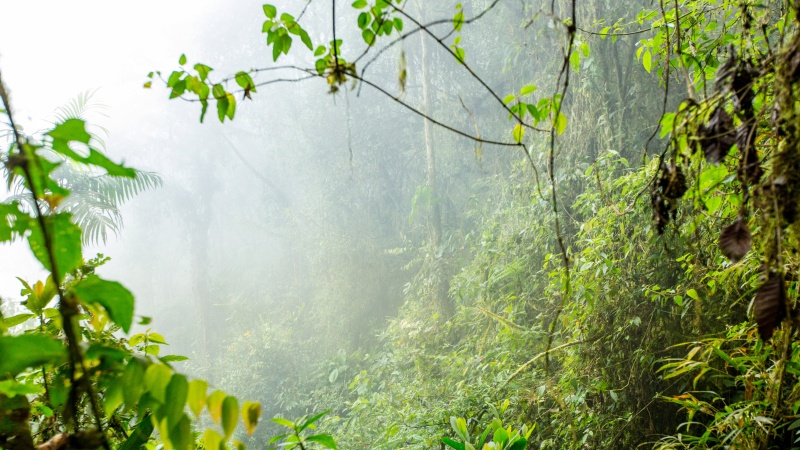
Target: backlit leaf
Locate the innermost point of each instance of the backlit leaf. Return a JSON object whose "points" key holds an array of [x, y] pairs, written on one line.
{"points": [[112, 296], [230, 415]]}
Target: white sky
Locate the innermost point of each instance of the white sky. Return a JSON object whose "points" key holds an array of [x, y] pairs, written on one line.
{"points": [[50, 51]]}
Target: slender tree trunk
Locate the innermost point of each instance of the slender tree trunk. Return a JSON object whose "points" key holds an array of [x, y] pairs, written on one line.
{"points": [[441, 284]]}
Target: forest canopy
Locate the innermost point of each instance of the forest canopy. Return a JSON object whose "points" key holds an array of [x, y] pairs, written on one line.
{"points": [[406, 224]]}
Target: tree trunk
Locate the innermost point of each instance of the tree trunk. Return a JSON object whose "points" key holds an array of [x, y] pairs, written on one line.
{"points": [[441, 283]]}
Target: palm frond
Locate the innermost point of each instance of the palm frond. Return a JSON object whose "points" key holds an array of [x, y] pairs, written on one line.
{"points": [[94, 198]]}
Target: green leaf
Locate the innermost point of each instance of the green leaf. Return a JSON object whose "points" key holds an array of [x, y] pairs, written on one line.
{"points": [[230, 415], [647, 61], [693, 294], [575, 61], [212, 440], [215, 405], [13, 222], [519, 444], [305, 39], [132, 383], [458, 20], [282, 422], [509, 98], [460, 55], [519, 133], [29, 350], [112, 296], [71, 130], [65, 239], [320, 50], [251, 413], [324, 440], [561, 123], [156, 379], [310, 421], [202, 71], [197, 396], [363, 21], [358, 4], [173, 358], [180, 435], [140, 436], [527, 89], [453, 444], [182, 59], [270, 11], [368, 36], [175, 399], [17, 320]]}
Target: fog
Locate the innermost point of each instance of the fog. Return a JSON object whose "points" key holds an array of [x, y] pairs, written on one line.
{"points": [[318, 250], [295, 215]]}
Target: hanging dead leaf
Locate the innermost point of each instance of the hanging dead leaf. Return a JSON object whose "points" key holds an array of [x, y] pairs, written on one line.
{"points": [[735, 240], [770, 305], [717, 136]]}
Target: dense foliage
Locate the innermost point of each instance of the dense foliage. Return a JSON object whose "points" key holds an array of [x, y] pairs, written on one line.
{"points": [[544, 301]]}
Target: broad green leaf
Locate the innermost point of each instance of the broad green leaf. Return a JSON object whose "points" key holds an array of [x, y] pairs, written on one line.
{"points": [[215, 405], [175, 399], [197, 396], [132, 383], [358, 4], [324, 440], [251, 413], [13, 222], [156, 338], [561, 123], [12, 388], [112, 296], [519, 444], [156, 379], [368, 36], [180, 435], [527, 89], [693, 294], [17, 320], [305, 39], [29, 350], [647, 61], [230, 415], [113, 397], [70, 130], [202, 71], [453, 444], [140, 436], [270, 11], [182, 60], [509, 98], [65, 239], [575, 61], [363, 21], [212, 439]]}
